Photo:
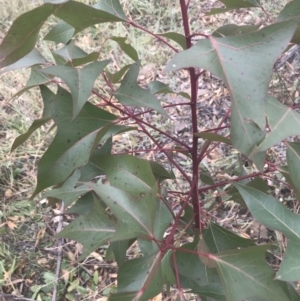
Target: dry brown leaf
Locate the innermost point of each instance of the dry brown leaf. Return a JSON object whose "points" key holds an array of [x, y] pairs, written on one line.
{"points": [[65, 274], [11, 225], [42, 261], [39, 235], [8, 193]]}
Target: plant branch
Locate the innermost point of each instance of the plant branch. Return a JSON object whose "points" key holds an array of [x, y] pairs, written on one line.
{"points": [[222, 183], [194, 96], [132, 23]]}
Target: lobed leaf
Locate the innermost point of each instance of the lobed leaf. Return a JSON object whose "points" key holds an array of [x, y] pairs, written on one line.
{"points": [[62, 32], [238, 62], [135, 214], [22, 35], [104, 11], [92, 230], [80, 81], [74, 141]]}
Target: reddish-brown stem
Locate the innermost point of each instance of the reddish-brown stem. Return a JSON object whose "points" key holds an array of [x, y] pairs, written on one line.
{"points": [[184, 174], [129, 114], [266, 13], [148, 150], [170, 238], [206, 145], [194, 95], [177, 275], [139, 121], [222, 183], [132, 23]]}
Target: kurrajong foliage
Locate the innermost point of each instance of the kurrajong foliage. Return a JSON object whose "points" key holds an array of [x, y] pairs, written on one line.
{"points": [[133, 205]]}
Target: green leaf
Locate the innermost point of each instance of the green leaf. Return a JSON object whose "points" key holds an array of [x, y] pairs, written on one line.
{"points": [[126, 47], [119, 248], [294, 295], [83, 205], [219, 239], [291, 10], [157, 87], [74, 141], [238, 62], [162, 220], [282, 121], [116, 77], [293, 159], [36, 79], [211, 291], [111, 6], [257, 183], [80, 81], [234, 4], [213, 137], [285, 172], [176, 37], [233, 30], [92, 169], [70, 52], [104, 11], [193, 274], [130, 210], [131, 94], [22, 35], [245, 275], [68, 193], [48, 97], [62, 32], [270, 212], [92, 57], [140, 279], [206, 179], [92, 230], [22, 138], [159, 172], [128, 173], [31, 59]]}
